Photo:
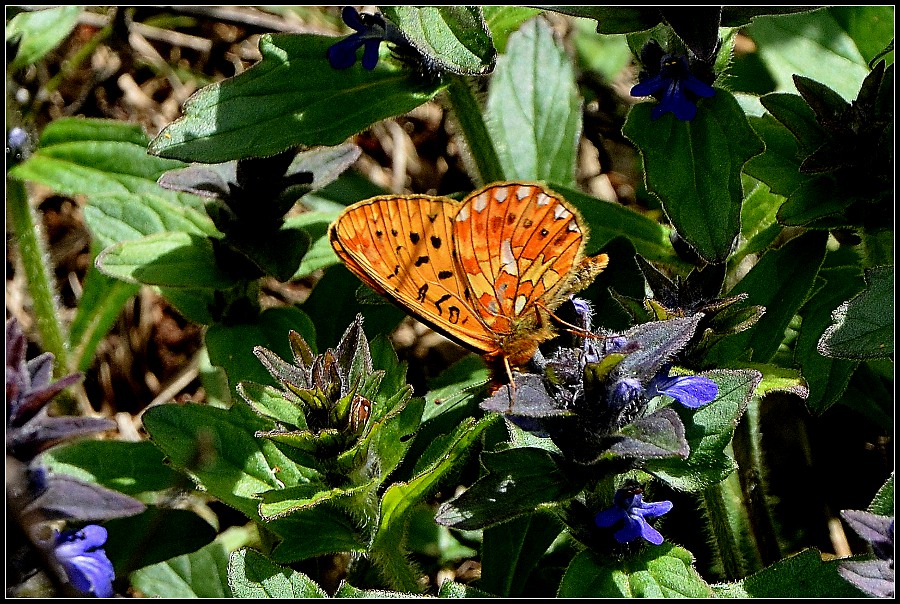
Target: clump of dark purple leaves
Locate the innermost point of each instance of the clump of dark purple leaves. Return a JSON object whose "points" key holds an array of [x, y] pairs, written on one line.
{"points": [[37, 499], [584, 395], [874, 577]]}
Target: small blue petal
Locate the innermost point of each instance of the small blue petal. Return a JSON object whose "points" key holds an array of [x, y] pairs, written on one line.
{"points": [[609, 516], [342, 55], [650, 87], [699, 87], [653, 510], [634, 528], [351, 17], [370, 55], [692, 391], [651, 534]]}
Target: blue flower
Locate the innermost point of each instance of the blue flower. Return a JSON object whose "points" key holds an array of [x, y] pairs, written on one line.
{"points": [[677, 85], [629, 506], [371, 31], [81, 554], [692, 391]]}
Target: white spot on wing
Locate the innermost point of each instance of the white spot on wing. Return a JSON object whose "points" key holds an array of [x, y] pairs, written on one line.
{"points": [[463, 214], [507, 259], [543, 199], [500, 194], [520, 304], [573, 227], [523, 192], [561, 212], [480, 202]]}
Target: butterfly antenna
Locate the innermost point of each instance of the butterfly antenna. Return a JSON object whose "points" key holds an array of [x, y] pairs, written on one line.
{"points": [[573, 329]]}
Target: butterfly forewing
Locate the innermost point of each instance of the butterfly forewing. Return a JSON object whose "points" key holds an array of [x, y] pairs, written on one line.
{"points": [[515, 243], [402, 247]]}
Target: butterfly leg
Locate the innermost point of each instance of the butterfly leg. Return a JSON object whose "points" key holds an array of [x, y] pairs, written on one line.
{"points": [[511, 389]]}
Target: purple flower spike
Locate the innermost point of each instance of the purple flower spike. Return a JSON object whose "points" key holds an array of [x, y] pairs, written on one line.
{"points": [[676, 88], [630, 508], [81, 555]]}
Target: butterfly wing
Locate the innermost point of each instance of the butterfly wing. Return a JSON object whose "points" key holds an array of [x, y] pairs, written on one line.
{"points": [[402, 247], [517, 244]]}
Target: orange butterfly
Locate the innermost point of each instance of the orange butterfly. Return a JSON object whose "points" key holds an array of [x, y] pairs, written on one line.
{"points": [[486, 272]]}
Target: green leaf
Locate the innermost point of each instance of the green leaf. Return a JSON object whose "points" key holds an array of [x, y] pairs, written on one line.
{"points": [[883, 504], [452, 589], [606, 55], [662, 571], [334, 532], [781, 282], [864, 325], [759, 226], [270, 402], [101, 302], [503, 20], [281, 503], [333, 304], [456, 387], [401, 498], [512, 550], [79, 156], [533, 110], [307, 102], [827, 377], [231, 346], [202, 574], [154, 536], [116, 218], [455, 37], [218, 449], [614, 19], [655, 436], [708, 430], [517, 482], [138, 466], [169, 259], [107, 161], [694, 168], [39, 32], [348, 591], [796, 115], [810, 44], [870, 27], [779, 165], [804, 575], [252, 575]]}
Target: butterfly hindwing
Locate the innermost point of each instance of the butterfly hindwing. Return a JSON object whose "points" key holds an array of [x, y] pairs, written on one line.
{"points": [[402, 247]]}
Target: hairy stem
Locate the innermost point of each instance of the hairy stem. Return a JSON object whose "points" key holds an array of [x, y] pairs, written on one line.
{"points": [[37, 273], [468, 113]]}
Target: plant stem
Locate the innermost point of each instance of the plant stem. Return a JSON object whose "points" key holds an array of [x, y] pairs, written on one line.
{"points": [[748, 451], [468, 113], [721, 529], [37, 274]]}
